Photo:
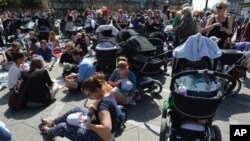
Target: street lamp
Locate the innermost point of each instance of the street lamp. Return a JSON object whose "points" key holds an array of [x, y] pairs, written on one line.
{"points": [[206, 5]]}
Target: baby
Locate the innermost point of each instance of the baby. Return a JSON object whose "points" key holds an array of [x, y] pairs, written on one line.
{"points": [[78, 119], [24, 67]]}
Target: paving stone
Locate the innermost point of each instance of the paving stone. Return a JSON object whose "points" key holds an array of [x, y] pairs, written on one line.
{"points": [[148, 134], [129, 135], [23, 132]]}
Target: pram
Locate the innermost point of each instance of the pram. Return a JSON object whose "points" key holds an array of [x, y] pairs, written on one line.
{"points": [[42, 33], [189, 118], [142, 56], [106, 54], [234, 63], [196, 91], [106, 49]]}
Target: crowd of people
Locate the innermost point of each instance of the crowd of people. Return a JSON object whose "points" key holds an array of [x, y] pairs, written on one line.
{"points": [[30, 57]]}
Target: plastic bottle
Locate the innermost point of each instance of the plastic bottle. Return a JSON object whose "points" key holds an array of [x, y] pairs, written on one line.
{"points": [[213, 87], [182, 90]]}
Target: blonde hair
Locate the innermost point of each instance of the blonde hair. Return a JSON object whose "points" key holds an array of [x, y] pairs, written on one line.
{"points": [[223, 3], [70, 44]]}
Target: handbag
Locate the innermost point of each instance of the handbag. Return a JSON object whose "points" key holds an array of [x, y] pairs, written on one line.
{"points": [[16, 100]]}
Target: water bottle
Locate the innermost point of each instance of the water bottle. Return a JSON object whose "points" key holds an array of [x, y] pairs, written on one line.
{"points": [[182, 90], [213, 86]]}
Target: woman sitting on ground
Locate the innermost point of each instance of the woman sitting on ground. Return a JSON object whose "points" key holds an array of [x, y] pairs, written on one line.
{"points": [[55, 44], [82, 42], [104, 108], [124, 82], [41, 89]]}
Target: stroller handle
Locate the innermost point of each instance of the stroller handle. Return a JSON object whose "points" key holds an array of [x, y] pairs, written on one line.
{"points": [[102, 41], [206, 72], [107, 41]]}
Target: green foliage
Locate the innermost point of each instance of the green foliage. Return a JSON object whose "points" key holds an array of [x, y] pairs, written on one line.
{"points": [[32, 4], [22, 4], [3, 2]]}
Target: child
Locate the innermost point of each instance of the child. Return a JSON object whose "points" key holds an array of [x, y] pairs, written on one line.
{"points": [[78, 119]]}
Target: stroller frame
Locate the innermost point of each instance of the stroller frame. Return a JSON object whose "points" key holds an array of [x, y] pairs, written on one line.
{"points": [[179, 105]]}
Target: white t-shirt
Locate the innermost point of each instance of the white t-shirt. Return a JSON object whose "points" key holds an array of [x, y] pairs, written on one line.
{"points": [[13, 75]]}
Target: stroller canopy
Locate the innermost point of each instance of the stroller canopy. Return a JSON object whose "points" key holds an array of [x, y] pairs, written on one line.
{"points": [[125, 34], [196, 47], [141, 44], [107, 28]]}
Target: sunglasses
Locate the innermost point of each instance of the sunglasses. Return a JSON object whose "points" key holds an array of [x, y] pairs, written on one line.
{"points": [[219, 7]]}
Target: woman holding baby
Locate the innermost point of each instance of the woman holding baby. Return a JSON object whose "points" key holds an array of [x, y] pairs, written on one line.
{"points": [[98, 123]]}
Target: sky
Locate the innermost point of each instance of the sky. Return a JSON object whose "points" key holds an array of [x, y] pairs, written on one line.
{"points": [[200, 4]]}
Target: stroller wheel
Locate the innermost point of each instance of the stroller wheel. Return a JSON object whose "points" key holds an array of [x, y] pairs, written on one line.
{"points": [[139, 94], [237, 88], [157, 87], [164, 126], [217, 133]]}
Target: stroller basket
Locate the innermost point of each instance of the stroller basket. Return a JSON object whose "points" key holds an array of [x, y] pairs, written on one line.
{"points": [[195, 107]]}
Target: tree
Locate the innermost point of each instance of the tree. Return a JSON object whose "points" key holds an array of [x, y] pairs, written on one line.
{"points": [[3, 2], [32, 4]]}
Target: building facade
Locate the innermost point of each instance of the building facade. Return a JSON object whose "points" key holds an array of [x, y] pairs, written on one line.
{"points": [[246, 10], [234, 6]]}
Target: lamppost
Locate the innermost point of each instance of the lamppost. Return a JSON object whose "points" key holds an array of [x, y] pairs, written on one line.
{"points": [[206, 5]]}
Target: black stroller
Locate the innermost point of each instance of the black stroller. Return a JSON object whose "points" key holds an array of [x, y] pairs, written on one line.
{"points": [[142, 56], [235, 63], [106, 54], [189, 117]]}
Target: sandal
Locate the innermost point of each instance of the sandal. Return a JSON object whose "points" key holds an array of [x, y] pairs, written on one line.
{"points": [[44, 129], [48, 122]]}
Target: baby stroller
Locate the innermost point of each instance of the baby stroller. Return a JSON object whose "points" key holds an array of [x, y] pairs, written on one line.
{"points": [[189, 117], [235, 63], [106, 49], [142, 56], [42, 33], [106, 54]]}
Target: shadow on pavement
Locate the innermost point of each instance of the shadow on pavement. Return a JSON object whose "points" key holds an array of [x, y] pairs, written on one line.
{"points": [[144, 111], [23, 114], [72, 96], [238, 104], [5, 98], [246, 82]]}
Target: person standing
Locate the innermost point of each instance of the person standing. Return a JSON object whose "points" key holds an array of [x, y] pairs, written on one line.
{"points": [[246, 34], [1, 33], [187, 27], [220, 25]]}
